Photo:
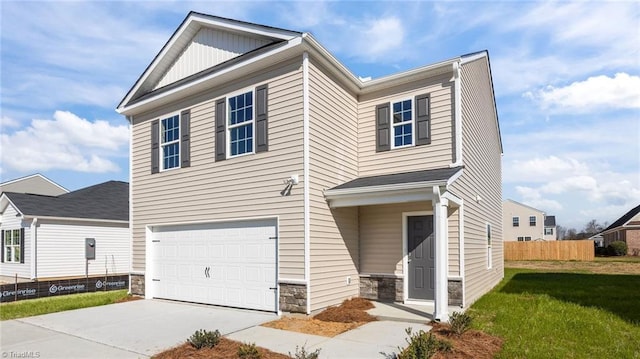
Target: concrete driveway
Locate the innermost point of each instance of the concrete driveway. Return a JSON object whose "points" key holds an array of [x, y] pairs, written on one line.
{"points": [[135, 329]]}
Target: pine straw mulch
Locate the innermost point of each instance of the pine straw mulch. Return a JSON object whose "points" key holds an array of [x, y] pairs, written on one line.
{"points": [[472, 344], [225, 349], [129, 298], [330, 322]]}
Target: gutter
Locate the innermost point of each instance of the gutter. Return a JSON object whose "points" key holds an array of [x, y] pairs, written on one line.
{"points": [[76, 219], [331, 193]]}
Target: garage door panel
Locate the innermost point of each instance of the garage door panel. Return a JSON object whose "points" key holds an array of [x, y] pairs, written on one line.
{"points": [[232, 264]]}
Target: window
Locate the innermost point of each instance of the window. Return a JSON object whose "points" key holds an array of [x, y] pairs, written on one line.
{"points": [[527, 239], [170, 142], [532, 221], [241, 124], [516, 221], [12, 246], [520, 239], [402, 123], [489, 251], [548, 231]]}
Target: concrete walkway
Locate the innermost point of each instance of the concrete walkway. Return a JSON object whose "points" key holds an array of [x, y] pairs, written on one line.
{"points": [[371, 340]]}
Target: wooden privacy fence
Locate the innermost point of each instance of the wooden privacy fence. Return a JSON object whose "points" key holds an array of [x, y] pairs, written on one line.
{"points": [[549, 250]]}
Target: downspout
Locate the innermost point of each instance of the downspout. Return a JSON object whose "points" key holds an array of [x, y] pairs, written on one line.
{"points": [[34, 248], [305, 161], [457, 113]]}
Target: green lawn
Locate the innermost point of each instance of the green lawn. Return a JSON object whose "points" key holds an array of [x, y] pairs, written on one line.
{"points": [[28, 308], [563, 315]]}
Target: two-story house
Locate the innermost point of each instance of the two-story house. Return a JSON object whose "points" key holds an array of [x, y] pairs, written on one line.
{"points": [[524, 223], [266, 175]]}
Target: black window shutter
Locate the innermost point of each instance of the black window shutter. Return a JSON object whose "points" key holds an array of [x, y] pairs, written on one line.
{"points": [[3, 247], [22, 245], [185, 138], [383, 128], [262, 135], [423, 124], [221, 129], [155, 146]]}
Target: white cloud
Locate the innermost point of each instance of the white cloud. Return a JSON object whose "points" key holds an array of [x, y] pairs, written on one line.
{"points": [[378, 38], [67, 142], [7, 122], [543, 169], [599, 92], [532, 197]]}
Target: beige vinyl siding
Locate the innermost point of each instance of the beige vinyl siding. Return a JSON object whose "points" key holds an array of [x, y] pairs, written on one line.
{"points": [[511, 209], [61, 249], [209, 47], [381, 236], [333, 160], [437, 154], [34, 185], [237, 188], [11, 221], [482, 176]]}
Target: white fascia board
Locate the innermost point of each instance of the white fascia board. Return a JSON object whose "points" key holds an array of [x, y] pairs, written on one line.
{"points": [[474, 57], [199, 20], [73, 219], [178, 92], [454, 177], [414, 195]]}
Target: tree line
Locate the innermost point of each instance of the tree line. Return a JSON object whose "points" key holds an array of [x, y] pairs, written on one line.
{"points": [[592, 227]]}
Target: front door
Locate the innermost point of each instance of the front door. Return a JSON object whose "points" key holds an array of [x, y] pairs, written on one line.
{"points": [[420, 252]]}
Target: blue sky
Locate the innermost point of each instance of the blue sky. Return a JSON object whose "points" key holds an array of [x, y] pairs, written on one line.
{"points": [[566, 77]]}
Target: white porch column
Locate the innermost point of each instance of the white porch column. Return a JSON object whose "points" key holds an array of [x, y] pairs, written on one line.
{"points": [[441, 312]]}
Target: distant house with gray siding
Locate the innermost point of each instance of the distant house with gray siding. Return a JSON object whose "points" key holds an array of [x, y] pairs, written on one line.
{"points": [[266, 175], [43, 236]]}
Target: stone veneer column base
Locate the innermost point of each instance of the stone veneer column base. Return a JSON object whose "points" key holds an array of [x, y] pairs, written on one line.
{"points": [[390, 289], [293, 298], [137, 284]]}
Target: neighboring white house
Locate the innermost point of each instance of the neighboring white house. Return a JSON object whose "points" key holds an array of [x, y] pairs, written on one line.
{"points": [[524, 223], [45, 236], [34, 184]]}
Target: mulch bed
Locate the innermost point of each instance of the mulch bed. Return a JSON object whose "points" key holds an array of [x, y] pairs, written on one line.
{"points": [[129, 298], [472, 344], [226, 349]]}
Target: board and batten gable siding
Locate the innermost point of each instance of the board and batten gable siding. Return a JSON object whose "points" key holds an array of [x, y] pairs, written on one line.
{"points": [[11, 221], [333, 160], [61, 249], [437, 154], [209, 47], [482, 176], [242, 187]]}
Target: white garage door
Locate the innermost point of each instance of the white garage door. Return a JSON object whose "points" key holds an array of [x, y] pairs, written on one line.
{"points": [[231, 264]]}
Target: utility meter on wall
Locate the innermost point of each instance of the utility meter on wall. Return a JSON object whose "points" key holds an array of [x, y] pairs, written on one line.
{"points": [[90, 248]]}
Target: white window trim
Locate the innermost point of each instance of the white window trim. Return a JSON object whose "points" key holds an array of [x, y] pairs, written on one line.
{"points": [[229, 126], [535, 221], [161, 149], [393, 125], [513, 222], [489, 245], [12, 246]]}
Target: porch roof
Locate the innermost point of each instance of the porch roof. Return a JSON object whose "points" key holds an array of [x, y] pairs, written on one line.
{"points": [[391, 188]]}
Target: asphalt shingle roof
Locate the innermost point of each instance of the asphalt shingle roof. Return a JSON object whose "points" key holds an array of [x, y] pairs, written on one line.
{"points": [[106, 201], [624, 219], [440, 174], [550, 221]]}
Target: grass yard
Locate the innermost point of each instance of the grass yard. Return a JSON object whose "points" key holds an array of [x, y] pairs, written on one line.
{"points": [[31, 307], [563, 314]]}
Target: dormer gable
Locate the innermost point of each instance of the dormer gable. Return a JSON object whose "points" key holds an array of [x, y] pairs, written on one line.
{"points": [[200, 43]]}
